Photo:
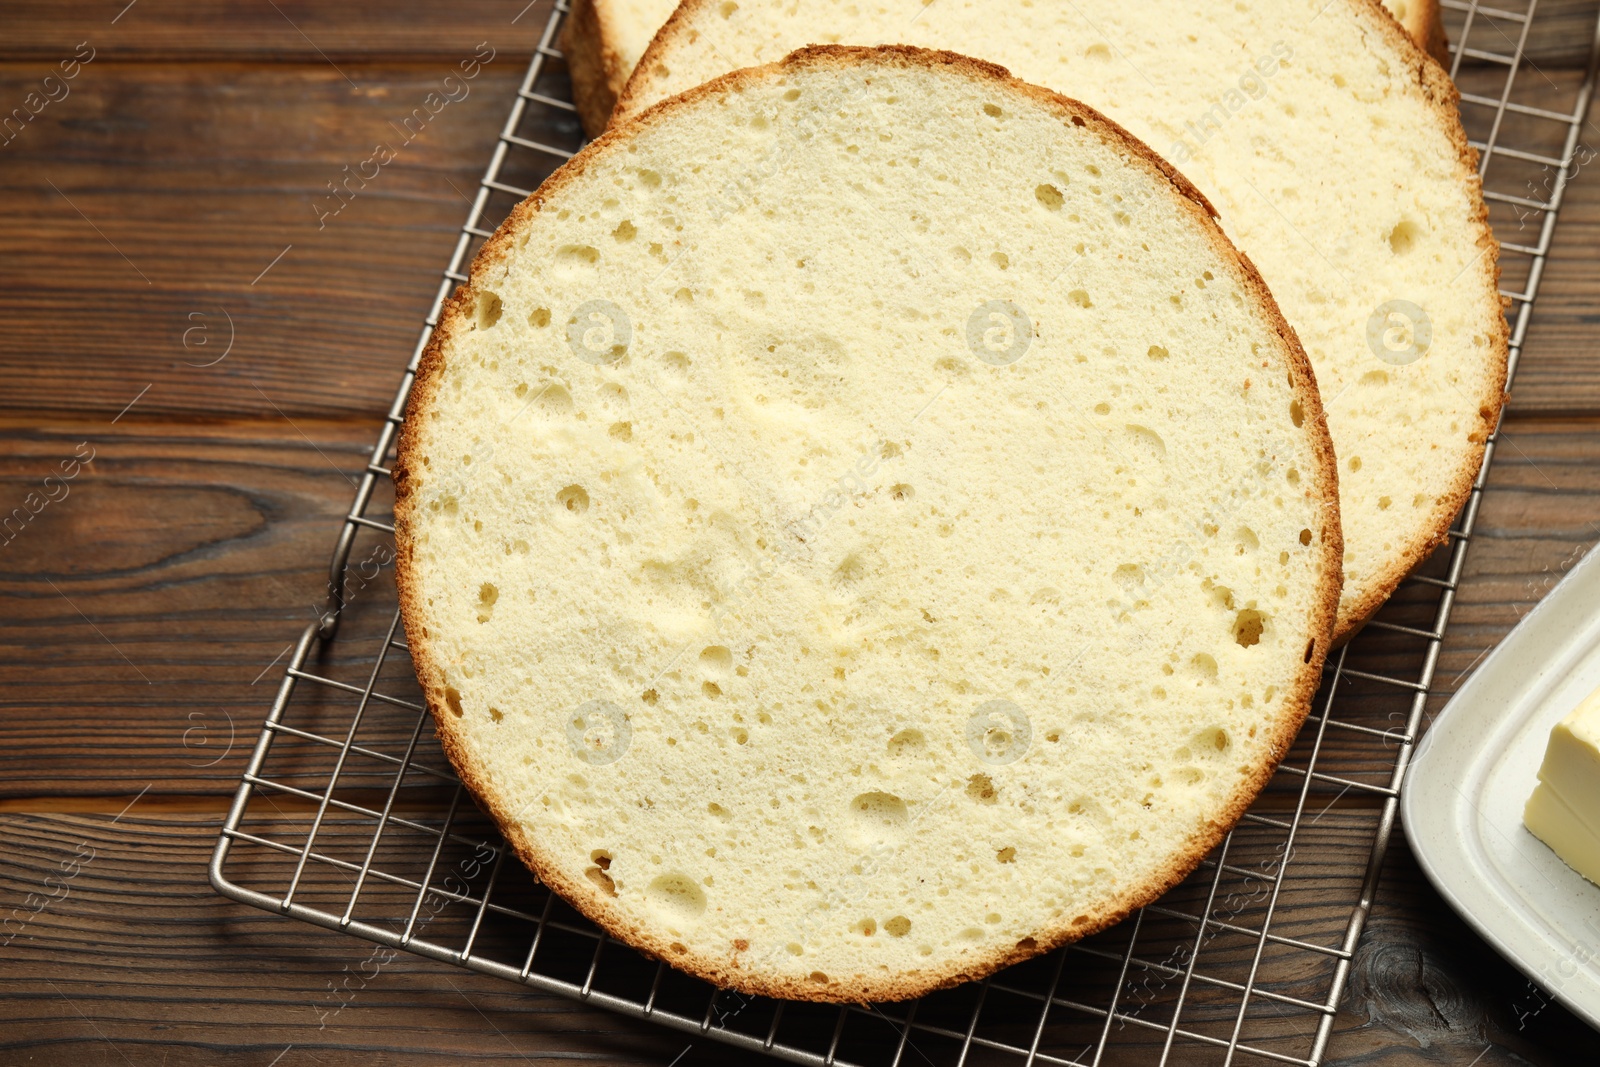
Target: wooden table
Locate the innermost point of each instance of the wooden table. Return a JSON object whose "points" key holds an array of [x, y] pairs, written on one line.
{"points": [[177, 195]]}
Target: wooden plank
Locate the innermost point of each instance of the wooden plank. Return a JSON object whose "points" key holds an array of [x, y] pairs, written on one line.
{"points": [[1559, 36], [198, 550], [144, 602], [1425, 989], [1540, 515], [130, 954], [1557, 374], [194, 202], [286, 30]]}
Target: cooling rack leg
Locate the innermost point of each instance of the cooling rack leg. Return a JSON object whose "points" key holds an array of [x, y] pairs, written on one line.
{"points": [[241, 797]]}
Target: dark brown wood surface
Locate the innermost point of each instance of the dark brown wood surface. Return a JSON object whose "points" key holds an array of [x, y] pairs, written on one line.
{"points": [[170, 202]]}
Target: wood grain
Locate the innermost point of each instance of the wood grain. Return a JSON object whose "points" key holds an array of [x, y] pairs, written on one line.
{"points": [[1559, 36], [168, 192], [1560, 379], [134, 954], [283, 31], [143, 606], [147, 602]]}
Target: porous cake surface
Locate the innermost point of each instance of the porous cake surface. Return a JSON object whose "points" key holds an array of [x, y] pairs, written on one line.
{"points": [[1332, 149], [604, 39], [863, 524]]}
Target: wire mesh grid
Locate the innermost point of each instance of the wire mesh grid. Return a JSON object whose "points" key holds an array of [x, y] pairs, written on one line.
{"points": [[348, 816]]}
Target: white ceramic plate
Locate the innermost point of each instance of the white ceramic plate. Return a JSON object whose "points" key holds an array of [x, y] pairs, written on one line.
{"points": [[1473, 771]]}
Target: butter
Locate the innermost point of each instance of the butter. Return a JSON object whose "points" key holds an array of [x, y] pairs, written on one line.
{"points": [[1564, 810]]}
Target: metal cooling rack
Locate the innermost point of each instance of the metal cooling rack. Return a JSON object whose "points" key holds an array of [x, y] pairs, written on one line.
{"points": [[348, 817]]}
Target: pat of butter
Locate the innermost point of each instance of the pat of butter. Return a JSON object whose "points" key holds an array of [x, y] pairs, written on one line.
{"points": [[1564, 811]]}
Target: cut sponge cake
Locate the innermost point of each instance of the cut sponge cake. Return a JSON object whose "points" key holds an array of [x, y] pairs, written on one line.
{"points": [[603, 40], [862, 524], [1331, 147], [1423, 21]]}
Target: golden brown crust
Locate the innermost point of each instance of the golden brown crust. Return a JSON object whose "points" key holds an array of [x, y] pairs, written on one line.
{"points": [[628, 99], [1424, 23], [593, 65], [604, 83], [727, 971], [1424, 27], [1429, 33]]}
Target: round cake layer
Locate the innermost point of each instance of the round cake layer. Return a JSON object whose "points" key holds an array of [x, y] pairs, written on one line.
{"points": [[1332, 149], [602, 41], [863, 524]]}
